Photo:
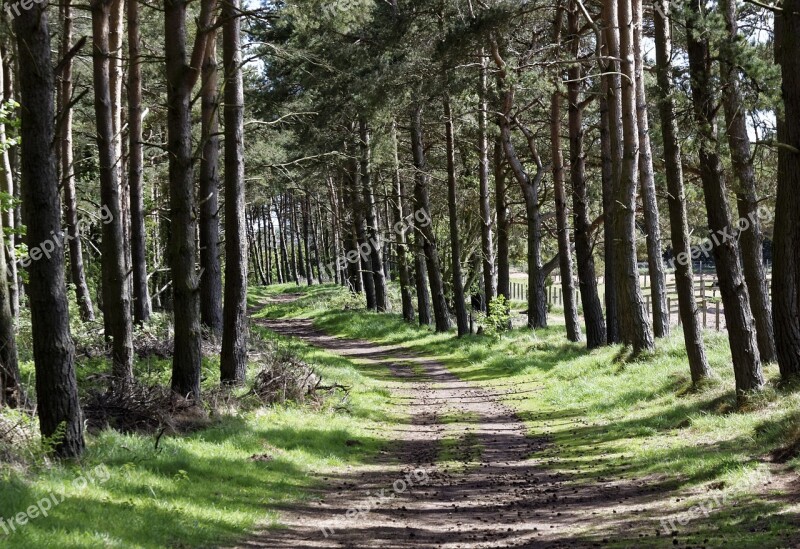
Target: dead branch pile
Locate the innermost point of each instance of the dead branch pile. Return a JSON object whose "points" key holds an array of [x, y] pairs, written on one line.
{"points": [[143, 409]]}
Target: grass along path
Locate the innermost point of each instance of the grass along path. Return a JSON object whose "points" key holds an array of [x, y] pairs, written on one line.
{"points": [[631, 430], [204, 489]]}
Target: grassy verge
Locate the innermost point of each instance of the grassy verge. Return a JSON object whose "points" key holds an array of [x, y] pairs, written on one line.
{"points": [[611, 416], [203, 489]]}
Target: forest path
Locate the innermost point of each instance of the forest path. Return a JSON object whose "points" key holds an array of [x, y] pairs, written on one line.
{"points": [[490, 490]]}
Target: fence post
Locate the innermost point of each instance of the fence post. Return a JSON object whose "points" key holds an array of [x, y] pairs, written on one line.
{"points": [[705, 313], [717, 315]]}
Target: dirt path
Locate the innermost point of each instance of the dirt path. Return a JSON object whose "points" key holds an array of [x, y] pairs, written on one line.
{"points": [[491, 491]]}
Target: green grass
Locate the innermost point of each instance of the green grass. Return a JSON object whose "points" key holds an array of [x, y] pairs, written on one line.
{"points": [[203, 489], [609, 415]]}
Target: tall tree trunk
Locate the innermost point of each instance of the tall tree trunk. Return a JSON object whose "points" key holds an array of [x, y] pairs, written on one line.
{"points": [[401, 238], [233, 359], [587, 279], [53, 350], [786, 260], [210, 270], [301, 261], [633, 322], [557, 156], [425, 230], [141, 294], [274, 245], [356, 202], [66, 157], [116, 292], [503, 222], [462, 322], [655, 262], [11, 392], [373, 224], [750, 238], [735, 298], [9, 217], [305, 214], [679, 221], [610, 126], [421, 280], [267, 243], [182, 74], [487, 244], [116, 56]]}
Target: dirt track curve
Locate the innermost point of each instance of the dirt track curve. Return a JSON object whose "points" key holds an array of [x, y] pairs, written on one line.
{"points": [[492, 491]]}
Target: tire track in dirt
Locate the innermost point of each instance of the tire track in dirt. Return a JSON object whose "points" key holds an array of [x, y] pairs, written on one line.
{"points": [[499, 496]]}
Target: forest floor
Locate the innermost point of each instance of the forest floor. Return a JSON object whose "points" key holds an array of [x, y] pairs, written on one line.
{"points": [[493, 454]]}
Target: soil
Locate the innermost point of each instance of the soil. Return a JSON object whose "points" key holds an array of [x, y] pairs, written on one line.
{"points": [[491, 489]]}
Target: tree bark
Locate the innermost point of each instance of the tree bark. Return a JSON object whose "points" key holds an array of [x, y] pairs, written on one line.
{"points": [[462, 321], [66, 157], [750, 238], [53, 351], [503, 222], [564, 246], [679, 221], [487, 244], [373, 226], [8, 152], [634, 325], [612, 164], [182, 74], [141, 294], [735, 298], [233, 359], [655, 262], [211, 272], [786, 243], [425, 231], [400, 235], [116, 292]]}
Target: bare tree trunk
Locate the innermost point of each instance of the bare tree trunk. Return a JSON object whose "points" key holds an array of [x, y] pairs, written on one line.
{"points": [[211, 272], [786, 266], [233, 359], [425, 230], [750, 238], [53, 351], [9, 217], [655, 261], [373, 225], [400, 236], [182, 74], [557, 155], [587, 278], [487, 245], [305, 214], [735, 298], [679, 222], [503, 222], [66, 157], [633, 322], [462, 322], [610, 126], [141, 294], [116, 293]]}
